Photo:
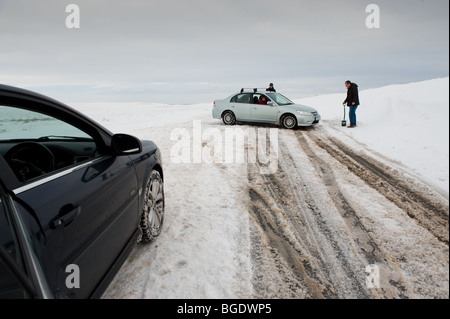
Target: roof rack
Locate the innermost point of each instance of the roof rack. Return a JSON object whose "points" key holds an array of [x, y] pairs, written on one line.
{"points": [[255, 90]]}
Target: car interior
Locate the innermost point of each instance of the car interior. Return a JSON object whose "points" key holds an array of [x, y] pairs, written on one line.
{"points": [[31, 159], [31, 152]]}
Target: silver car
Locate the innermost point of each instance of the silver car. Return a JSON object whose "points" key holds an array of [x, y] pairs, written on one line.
{"points": [[264, 107]]}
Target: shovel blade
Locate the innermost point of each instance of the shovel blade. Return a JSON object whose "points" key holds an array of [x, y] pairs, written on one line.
{"points": [[344, 123]]}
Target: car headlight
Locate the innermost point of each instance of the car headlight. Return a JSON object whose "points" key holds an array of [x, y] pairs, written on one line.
{"points": [[304, 113]]}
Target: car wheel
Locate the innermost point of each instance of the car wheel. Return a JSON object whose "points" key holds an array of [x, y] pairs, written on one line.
{"points": [[153, 212], [229, 118], [289, 121]]}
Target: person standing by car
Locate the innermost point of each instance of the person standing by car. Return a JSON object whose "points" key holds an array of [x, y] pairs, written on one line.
{"points": [[352, 101], [271, 88]]}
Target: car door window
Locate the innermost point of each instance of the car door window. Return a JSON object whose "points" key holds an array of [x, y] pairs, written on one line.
{"points": [[257, 98], [280, 99], [36, 144]]}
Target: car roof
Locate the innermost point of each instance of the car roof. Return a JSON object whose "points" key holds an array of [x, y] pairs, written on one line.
{"points": [[251, 92], [15, 90]]}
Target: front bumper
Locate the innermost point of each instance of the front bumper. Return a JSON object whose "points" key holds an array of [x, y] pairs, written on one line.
{"points": [[308, 120]]}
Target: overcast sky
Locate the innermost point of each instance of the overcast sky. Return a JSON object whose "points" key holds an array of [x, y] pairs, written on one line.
{"points": [[189, 51]]}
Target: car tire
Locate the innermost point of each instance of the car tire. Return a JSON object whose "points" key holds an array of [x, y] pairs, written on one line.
{"points": [[289, 122], [229, 118], [152, 217]]}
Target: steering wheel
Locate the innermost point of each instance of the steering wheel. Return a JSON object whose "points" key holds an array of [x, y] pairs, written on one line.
{"points": [[29, 160]]}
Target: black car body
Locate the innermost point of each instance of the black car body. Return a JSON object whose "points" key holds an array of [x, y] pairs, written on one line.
{"points": [[67, 201]]}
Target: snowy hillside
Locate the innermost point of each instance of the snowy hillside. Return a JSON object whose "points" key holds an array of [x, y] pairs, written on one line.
{"points": [[407, 123]]}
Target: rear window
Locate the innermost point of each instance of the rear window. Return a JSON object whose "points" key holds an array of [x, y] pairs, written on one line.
{"points": [[242, 98]]}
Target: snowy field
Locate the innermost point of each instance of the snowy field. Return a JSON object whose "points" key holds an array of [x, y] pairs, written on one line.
{"points": [[206, 248]]}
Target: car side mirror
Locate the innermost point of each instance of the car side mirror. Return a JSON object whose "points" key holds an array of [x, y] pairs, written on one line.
{"points": [[270, 103], [124, 144]]}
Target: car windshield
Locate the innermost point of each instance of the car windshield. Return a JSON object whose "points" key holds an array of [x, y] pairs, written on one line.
{"points": [[280, 99]]}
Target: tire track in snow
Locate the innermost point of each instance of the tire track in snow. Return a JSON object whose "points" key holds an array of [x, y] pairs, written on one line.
{"points": [[368, 246], [295, 228], [430, 214], [368, 249], [292, 264], [325, 255]]}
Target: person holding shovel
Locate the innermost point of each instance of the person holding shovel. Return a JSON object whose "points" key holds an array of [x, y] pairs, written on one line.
{"points": [[352, 101]]}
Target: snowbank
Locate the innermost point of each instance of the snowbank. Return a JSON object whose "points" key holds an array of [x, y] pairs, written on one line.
{"points": [[406, 123]]}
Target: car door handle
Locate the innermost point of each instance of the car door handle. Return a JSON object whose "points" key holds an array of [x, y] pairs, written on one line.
{"points": [[67, 215]]}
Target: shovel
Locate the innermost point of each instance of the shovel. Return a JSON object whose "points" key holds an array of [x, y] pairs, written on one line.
{"points": [[344, 121]]}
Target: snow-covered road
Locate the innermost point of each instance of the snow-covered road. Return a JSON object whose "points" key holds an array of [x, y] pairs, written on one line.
{"points": [[333, 214]]}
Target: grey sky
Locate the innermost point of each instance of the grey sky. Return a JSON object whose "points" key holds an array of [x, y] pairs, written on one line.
{"points": [[198, 50]]}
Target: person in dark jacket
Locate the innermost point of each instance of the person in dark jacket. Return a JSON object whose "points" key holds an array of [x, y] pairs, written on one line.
{"points": [[352, 101], [271, 88]]}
